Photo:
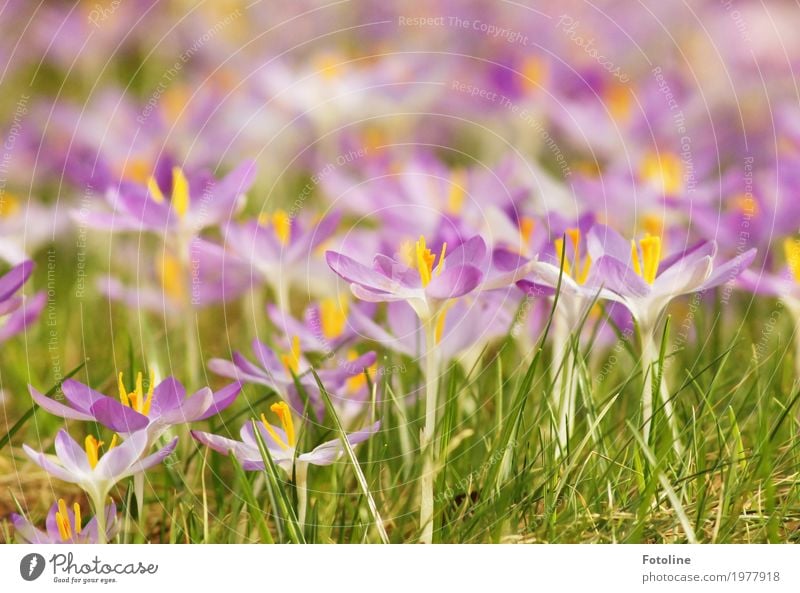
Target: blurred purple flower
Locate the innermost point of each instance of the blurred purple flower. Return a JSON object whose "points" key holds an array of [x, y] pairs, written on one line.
{"points": [[64, 526], [16, 311]]}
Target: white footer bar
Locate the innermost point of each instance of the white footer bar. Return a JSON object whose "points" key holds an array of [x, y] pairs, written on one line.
{"points": [[385, 569]]}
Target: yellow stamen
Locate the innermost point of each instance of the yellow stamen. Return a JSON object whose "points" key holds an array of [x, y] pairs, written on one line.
{"points": [[333, 317], [455, 199], [574, 235], [113, 444], [62, 521], [273, 435], [745, 204], [791, 249], [9, 205], [155, 191], [174, 100], [596, 311], [584, 273], [356, 382], [373, 138], [577, 270], [647, 267], [328, 65], [180, 192], [438, 331], [291, 360], [651, 257], [282, 223], [425, 260], [440, 265], [653, 225], [76, 508], [635, 258], [526, 226], [92, 446], [281, 409], [534, 72], [559, 246], [149, 399], [619, 101], [123, 392], [139, 392], [588, 168], [136, 170], [663, 170], [137, 399], [170, 273], [407, 254]]}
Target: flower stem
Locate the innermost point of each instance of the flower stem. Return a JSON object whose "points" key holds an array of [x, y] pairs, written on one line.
{"points": [[100, 517], [564, 385], [301, 484], [282, 293], [428, 432], [192, 354], [191, 349], [650, 360]]}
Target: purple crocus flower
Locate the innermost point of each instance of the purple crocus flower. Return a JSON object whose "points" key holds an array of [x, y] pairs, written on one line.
{"points": [[278, 371], [64, 526], [97, 474], [428, 284], [17, 313], [165, 286], [636, 275], [326, 326], [174, 204], [281, 443], [152, 410], [578, 282], [278, 249], [577, 294], [425, 281], [419, 194]]}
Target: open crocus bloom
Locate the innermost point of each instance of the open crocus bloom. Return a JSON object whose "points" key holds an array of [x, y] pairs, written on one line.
{"points": [[326, 324], [152, 410], [280, 442], [579, 283], [97, 474], [277, 370], [64, 526], [278, 243], [638, 277], [15, 312], [174, 202], [425, 281]]}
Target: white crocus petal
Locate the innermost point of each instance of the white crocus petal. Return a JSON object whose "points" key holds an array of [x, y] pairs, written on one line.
{"points": [[680, 279]]}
